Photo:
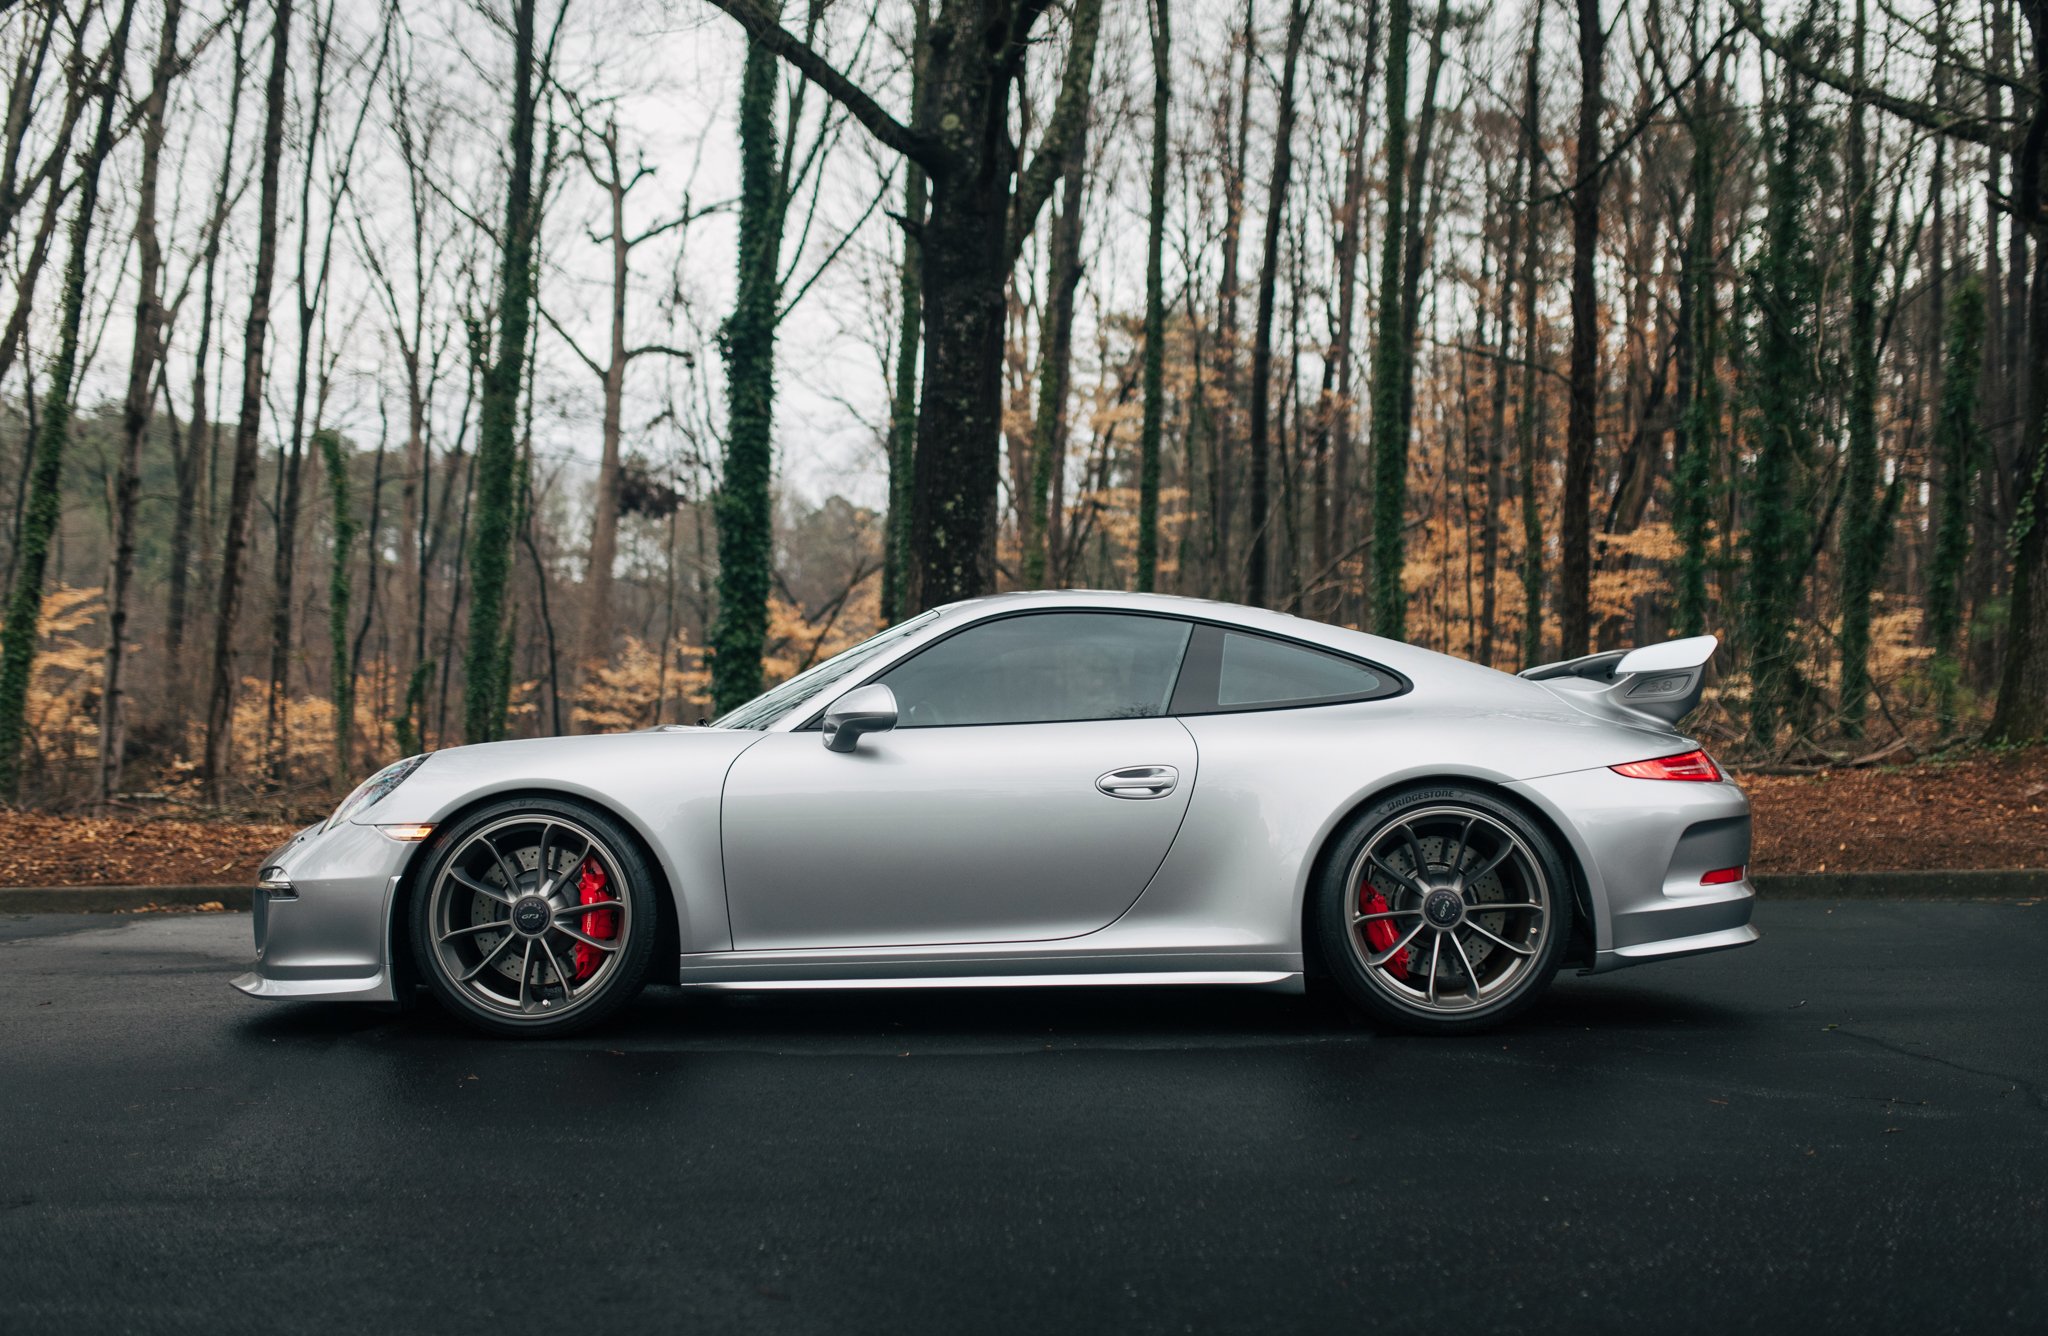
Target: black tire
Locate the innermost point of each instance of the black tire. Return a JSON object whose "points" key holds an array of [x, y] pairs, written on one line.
{"points": [[459, 915], [1511, 926]]}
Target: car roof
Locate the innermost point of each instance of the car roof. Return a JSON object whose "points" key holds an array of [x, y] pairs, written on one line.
{"points": [[1411, 660]]}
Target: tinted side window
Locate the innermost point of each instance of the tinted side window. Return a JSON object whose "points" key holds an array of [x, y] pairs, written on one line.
{"points": [[1042, 668], [1229, 670], [1256, 671]]}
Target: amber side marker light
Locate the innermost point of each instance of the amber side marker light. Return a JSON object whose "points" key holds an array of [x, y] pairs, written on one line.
{"points": [[1693, 765], [1722, 876], [407, 834]]}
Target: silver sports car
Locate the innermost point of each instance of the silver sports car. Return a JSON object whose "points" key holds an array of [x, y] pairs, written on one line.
{"points": [[1048, 788]]}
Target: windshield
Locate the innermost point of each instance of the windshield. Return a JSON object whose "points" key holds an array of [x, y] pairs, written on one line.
{"points": [[765, 709]]}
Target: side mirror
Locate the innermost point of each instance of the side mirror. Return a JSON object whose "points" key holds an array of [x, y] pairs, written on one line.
{"points": [[868, 709]]}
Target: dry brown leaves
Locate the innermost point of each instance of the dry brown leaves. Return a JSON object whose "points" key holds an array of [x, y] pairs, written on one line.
{"points": [[1983, 811], [91, 851]]}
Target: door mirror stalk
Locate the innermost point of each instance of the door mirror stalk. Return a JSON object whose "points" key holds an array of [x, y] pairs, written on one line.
{"points": [[868, 709]]}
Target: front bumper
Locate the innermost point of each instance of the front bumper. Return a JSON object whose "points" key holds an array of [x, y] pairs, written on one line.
{"points": [[322, 921], [1643, 846]]}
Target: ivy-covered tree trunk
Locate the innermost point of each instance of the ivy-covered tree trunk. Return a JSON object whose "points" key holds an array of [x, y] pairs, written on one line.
{"points": [[1692, 476], [1958, 452], [1862, 543], [343, 687], [1055, 362], [145, 353], [1155, 302], [242, 475], [1390, 353], [1785, 288], [23, 632], [2022, 711], [903, 402], [1258, 562], [746, 553], [1575, 562], [497, 453]]}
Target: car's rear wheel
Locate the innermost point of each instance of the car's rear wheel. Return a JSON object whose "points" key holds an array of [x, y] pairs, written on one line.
{"points": [[1443, 910], [534, 917]]}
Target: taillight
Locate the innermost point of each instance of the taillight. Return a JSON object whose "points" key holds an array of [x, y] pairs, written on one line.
{"points": [[1721, 876], [1692, 765]]}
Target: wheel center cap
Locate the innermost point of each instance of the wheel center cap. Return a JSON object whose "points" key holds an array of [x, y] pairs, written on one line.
{"points": [[1443, 908], [530, 916]]}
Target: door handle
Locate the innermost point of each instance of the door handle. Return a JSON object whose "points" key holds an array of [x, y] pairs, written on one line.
{"points": [[1139, 781]]}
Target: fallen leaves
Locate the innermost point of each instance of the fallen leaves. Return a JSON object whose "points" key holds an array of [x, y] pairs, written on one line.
{"points": [[38, 850], [1933, 816]]}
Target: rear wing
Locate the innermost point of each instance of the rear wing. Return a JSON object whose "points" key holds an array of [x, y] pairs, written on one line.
{"points": [[1657, 684]]}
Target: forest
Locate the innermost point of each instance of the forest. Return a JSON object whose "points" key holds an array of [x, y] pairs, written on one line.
{"points": [[394, 374]]}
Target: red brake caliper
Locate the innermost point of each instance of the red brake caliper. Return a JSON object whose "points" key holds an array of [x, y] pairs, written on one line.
{"points": [[601, 925], [1379, 934]]}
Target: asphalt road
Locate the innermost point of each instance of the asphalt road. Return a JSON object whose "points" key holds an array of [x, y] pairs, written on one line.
{"points": [[1842, 1128]]}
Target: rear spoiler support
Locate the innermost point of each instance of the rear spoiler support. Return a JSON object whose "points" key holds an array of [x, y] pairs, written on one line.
{"points": [[1657, 684]]}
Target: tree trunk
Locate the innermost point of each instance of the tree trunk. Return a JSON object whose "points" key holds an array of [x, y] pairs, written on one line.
{"points": [[1258, 591], [2022, 711], [745, 535], [142, 366], [1519, 216], [1862, 541], [594, 646], [910, 314], [1576, 564], [1350, 246], [1390, 354], [497, 456], [343, 687], [1056, 347], [23, 632], [1529, 473], [201, 432], [1155, 302]]}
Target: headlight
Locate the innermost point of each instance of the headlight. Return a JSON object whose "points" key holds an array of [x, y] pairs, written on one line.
{"points": [[368, 792]]}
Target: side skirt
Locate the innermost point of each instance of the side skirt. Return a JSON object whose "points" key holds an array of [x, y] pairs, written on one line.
{"points": [[950, 967]]}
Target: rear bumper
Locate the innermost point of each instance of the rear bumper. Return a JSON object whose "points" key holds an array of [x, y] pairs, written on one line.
{"points": [[1643, 846]]}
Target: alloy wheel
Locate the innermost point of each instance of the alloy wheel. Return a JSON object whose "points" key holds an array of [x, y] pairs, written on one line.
{"points": [[1449, 909]]}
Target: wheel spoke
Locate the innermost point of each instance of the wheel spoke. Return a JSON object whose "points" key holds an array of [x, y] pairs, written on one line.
{"points": [[1415, 849], [1507, 907], [525, 971], [1471, 975], [1397, 948], [1507, 847], [1436, 955], [491, 925], [1501, 942], [480, 886], [587, 940], [561, 976], [504, 868], [1382, 914], [1401, 877], [1464, 836], [547, 872], [488, 959]]}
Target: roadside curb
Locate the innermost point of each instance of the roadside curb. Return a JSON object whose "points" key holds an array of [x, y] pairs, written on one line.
{"points": [[2003, 884], [1994, 884], [118, 899]]}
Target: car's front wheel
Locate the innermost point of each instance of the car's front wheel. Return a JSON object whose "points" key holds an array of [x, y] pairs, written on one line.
{"points": [[1443, 910], [534, 917]]}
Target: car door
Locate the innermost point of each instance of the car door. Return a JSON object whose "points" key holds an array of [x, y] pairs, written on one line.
{"points": [[1029, 790]]}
